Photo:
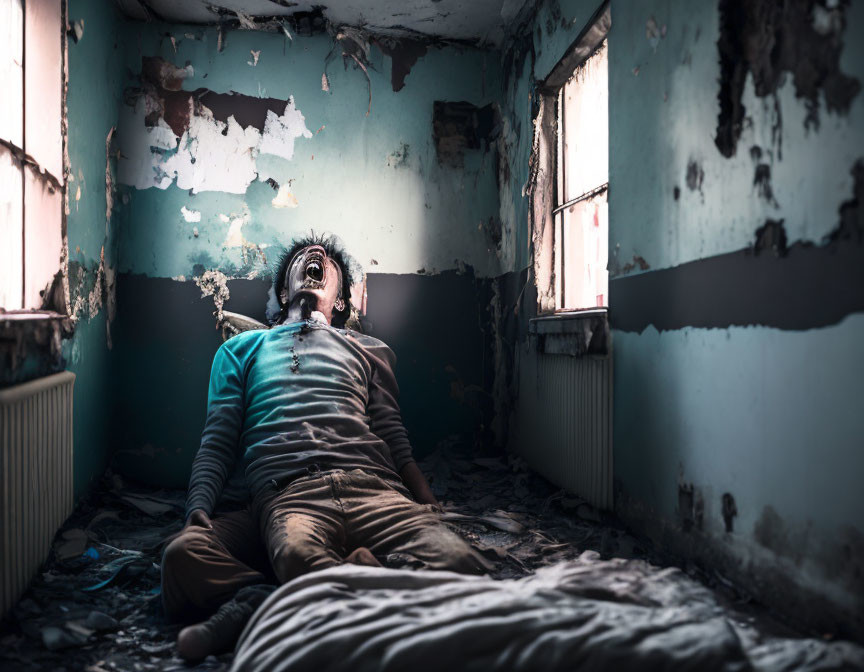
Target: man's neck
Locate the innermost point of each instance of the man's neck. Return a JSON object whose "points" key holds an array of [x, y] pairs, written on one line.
{"points": [[303, 309]]}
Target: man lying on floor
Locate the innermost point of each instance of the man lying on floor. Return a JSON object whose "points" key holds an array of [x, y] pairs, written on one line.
{"points": [[309, 412]]}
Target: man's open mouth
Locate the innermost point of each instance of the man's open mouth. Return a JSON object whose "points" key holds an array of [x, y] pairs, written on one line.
{"points": [[314, 271]]}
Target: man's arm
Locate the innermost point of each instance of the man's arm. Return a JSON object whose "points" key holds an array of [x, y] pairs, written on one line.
{"points": [[219, 440], [416, 482], [386, 423]]}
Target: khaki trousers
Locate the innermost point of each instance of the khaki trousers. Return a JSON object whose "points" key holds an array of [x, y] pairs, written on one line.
{"points": [[312, 523]]}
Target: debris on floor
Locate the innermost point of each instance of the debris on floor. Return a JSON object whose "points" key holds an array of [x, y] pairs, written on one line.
{"points": [[95, 604]]}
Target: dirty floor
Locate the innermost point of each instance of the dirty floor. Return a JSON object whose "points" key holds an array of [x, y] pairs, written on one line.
{"points": [[95, 604]]}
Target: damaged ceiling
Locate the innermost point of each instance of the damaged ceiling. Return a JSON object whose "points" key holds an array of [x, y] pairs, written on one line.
{"points": [[483, 22]]}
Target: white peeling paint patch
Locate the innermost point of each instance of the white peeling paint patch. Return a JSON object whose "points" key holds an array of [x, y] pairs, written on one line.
{"points": [[281, 132], [284, 198], [190, 215], [235, 232], [255, 56], [211, 155], [142, 149], [224, 218], [179, 278], [214, 156], [325, 83]]}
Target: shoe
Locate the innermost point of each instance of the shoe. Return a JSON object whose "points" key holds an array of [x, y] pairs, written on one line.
{"points": [[219, 633]]}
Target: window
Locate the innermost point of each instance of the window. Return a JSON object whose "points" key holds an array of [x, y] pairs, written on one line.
{"points": [[31, 150], [580, 213]]}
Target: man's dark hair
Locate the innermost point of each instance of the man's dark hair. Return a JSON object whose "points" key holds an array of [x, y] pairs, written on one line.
{"points": [[335, 251]]}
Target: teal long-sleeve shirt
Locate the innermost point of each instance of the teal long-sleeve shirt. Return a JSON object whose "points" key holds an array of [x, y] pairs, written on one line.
{"points": [[298, 396]]}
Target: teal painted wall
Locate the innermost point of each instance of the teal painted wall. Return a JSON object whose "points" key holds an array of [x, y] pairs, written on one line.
{"points": [[373, 180], [419, 228], [765, 414], [94, 93]]}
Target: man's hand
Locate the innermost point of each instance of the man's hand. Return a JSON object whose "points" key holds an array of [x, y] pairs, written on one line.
{"points": [[198, 519], [416, 482]]}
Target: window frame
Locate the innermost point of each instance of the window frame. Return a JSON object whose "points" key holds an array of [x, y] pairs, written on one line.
{"points": [[54, 302], [545, 197]]}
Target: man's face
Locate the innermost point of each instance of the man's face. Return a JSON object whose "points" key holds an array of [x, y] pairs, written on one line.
{"points": [[315, 276]]}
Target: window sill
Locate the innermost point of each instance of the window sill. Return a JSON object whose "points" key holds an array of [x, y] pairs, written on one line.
{"points": [[31, 343], [9, 317], [576, 333]]}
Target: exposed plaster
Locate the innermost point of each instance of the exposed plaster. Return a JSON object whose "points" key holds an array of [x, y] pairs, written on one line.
{"points": [[211, 154], [253, 255], [280, 132], [215, 284], [190, 215], [284, 198]]}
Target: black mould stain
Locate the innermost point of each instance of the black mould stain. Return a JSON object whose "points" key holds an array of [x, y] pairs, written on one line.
{"points": [[273, 183], [398, 158], [695, 175], [554, 19], [771, 236], [201, 262], [676, 193], [762, 175], [309, 23], [770, 531], [768, 38], [521, 45], [457, 126], [762, 183], [691, 507], [729, 511], [493, 230], [637, 261], [404, 53], [851, 226]]}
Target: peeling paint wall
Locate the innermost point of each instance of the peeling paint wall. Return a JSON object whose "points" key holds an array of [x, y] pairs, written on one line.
{"points": [[227, 139], [231, 144], [93, 224], [736, 282]]}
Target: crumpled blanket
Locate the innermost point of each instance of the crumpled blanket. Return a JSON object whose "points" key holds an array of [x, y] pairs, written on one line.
{"points": [[587, 614]]}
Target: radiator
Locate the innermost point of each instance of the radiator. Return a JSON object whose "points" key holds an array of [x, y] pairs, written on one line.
{"points": [[35, 476], [564, 422]]}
